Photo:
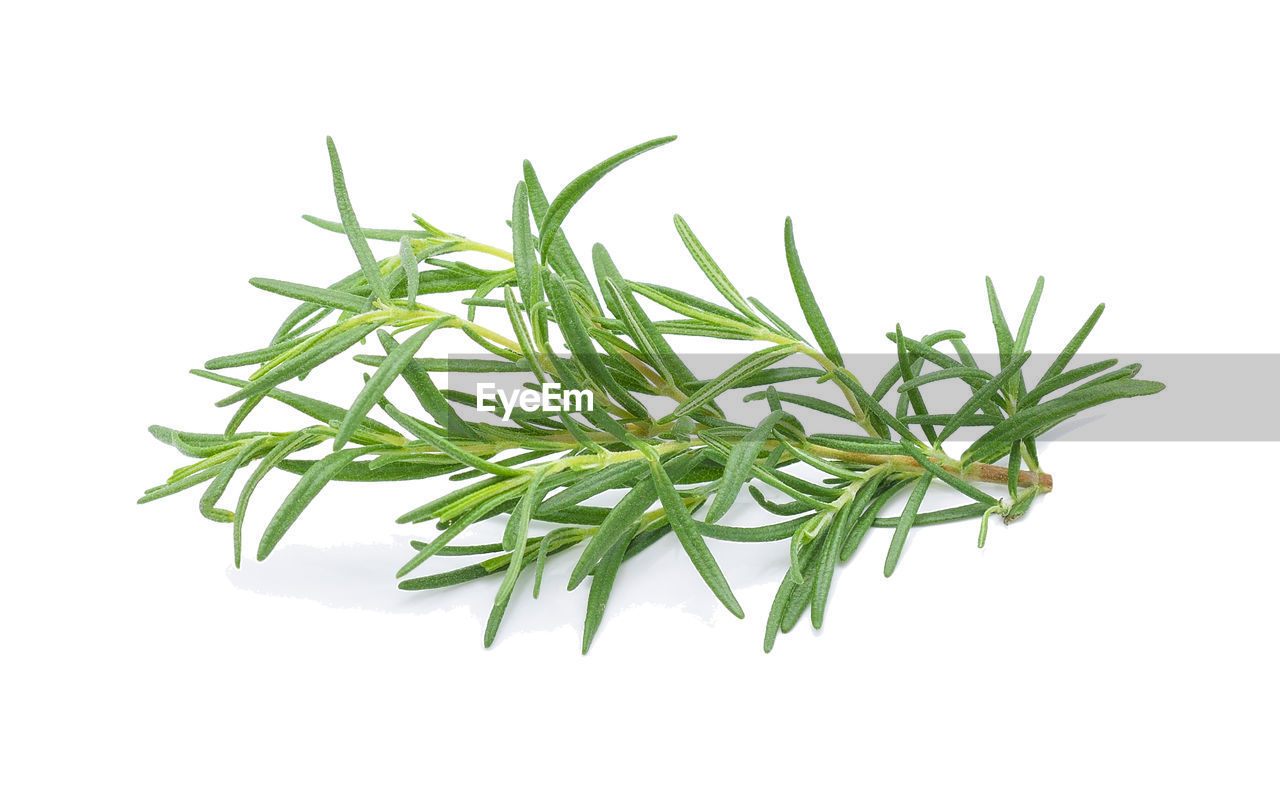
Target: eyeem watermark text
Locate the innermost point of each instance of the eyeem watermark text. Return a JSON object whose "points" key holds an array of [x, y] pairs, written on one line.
{"points": [[550, 398]]}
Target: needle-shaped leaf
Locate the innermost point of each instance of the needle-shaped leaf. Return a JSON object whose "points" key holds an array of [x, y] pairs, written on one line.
{"points": [[983, 394], [713, 272], [528, 271], [308, 486], [425, 390], [729, 379], [1062, 380], [425, 432], [576, 189], [644, 333], [623, 517], [355, 234], [283, 449], [602, 579], [331, 298], [1073, 346], [960, 484], [1031, 421], [1004, 339], [398, 357], [1024, 333], [913, 393], [597, 481], [521, 330], [312, 357], [389, 235], [575, 336], [812, 313], [737, 469], [685, 530], [905, 522], [409, 264]]}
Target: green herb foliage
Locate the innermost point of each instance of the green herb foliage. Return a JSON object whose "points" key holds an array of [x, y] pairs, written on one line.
{"points": [[658, 438]]}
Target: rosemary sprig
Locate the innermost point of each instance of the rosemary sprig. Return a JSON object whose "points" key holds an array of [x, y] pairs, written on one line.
{"points": [[667, 464]]}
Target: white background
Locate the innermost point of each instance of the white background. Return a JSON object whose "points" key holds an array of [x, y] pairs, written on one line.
{"points": [[1121, 637]]}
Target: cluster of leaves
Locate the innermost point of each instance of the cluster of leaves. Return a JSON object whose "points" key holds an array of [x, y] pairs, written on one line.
{"points": [[669, 465]]}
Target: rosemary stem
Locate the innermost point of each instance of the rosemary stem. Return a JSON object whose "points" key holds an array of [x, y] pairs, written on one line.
{"points": [[975, 472]]}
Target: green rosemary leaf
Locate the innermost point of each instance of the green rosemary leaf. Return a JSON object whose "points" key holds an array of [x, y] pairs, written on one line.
{"points": [[479, 365], [873, 407], [1073, 346], [575, 336], [1024, 328], [301, 364], [425, 432], [602, 579], [554, 542], [560, 256], [741, 461], [761, 534], [864, 445], [777, 321], [368, 265], [830, 554], [983, 394], [528, 271], [1035, 419], [398, 357], [1064, 379], [912, 393], [802, 597], [789, 509], [1004, 339], [968, 489], [365, 471], [522, 335], [448, 502], [690, 305], [254, 356], [812, 314], [483, 509], [1015, 466], [597, 481], [784, 612], [982, 420], [209, 500], [196, 445], [945, 516], [294, 443], [642, 329], [333, 299], [622, 517], [944, 374], [306, 489], [425, 390], [576, 189], [905, 521], [887, 490], [685, 530], [177, 486], [409, 264], [389, 235], [517, 532], [328, 413], [713, 272], [729, 379]]}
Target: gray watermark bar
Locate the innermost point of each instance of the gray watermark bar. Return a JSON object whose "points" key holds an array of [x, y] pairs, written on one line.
{"points": [[1208, 397]]}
